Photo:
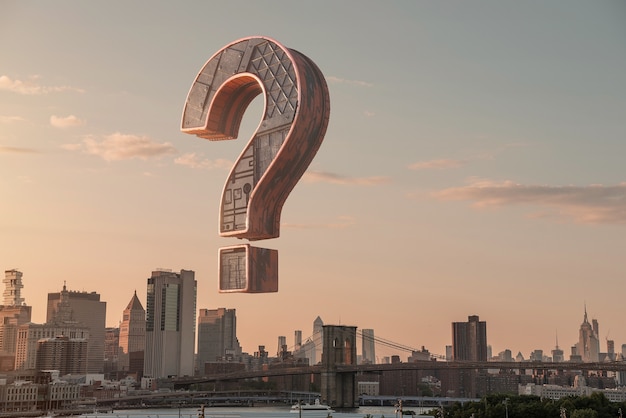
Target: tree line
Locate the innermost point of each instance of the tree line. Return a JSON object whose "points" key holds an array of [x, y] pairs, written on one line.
{"points": [[527, 406]]}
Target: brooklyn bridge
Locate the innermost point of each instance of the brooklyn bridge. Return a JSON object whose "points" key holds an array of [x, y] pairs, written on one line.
{"points": [[339, 372]]}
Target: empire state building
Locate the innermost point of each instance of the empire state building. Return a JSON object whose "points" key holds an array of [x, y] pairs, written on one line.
{"points": [[588, 347]]}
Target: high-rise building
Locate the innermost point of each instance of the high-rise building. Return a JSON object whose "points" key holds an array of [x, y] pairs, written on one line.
{"points": [[588, 347], [557, 354], [312, 347], [132, 342], [13, 313], [88, 310], [469, 340], [282, 345], [170, 324], [217, 337], [29, 335], [12, 288], [610, 349], [297, 340], [67, 355], [368, 349], [111, 351]]}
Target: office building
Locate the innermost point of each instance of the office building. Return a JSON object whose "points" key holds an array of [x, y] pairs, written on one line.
{"points": [[111, 351], [282, 345], [29, 334], [87, 310], [12, 288], [588, 347], [170, 324], [132, 341], [368, 349], [469, 340], [311, 349], [558, 355], [297, 340], [13, 313], [67, 355], [217, 337]]}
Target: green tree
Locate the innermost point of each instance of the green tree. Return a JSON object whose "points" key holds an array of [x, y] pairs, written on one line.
{"points": [[584, 413], [424, 390]]}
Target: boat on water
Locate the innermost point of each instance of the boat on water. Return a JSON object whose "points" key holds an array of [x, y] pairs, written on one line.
{"points": [[306, 407]]}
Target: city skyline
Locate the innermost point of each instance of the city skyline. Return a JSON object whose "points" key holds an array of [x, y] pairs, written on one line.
{"points": [[473, 164], [387, 347]]}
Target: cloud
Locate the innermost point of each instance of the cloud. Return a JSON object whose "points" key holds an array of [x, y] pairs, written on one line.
{"points": [[195, 161], [66, 122], [593, 204], [32, 87], [341, 223], [16, 150], [11, 119], [119, 146], [325, 177], [338, 80], [448, 163], [440, 164]]}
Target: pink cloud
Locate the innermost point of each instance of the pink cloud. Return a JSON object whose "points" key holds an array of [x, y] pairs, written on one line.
{"points": [[593, 204], [325, 177]]}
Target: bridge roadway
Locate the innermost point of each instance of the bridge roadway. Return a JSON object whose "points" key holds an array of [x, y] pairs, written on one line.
{"points": [[260, 397], [213, 398], [184, 382]]}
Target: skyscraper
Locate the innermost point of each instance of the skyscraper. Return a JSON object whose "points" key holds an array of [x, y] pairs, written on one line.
{"points": [[67, 355], [469, 340], [12, 288], [88, 310], [29, 335], [368, 351], [588, 347], [312, 347], [217, 336], [13, 313], [557, 353], [297, 339], [132, 341], [282, 345], [170, 324], [111, 351]]}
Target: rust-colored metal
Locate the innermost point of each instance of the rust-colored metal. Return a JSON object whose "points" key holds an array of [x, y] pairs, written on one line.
{"points": [[295, 118], [248, 269]]}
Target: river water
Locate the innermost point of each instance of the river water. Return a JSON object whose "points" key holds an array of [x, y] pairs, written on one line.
{"points": [[253, 412]]}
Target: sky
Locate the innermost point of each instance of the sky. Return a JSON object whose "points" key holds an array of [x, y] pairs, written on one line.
{"points": [[474, 164]]}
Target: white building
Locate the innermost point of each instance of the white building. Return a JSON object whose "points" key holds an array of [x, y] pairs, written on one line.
{"points": [[369, 388], [556, 392], [18, 396]]}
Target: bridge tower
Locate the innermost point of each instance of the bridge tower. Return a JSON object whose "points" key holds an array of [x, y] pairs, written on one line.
{"points": [[339, 389]]}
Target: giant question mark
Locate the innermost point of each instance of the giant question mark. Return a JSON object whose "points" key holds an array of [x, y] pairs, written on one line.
{"points": [[295, 117]]}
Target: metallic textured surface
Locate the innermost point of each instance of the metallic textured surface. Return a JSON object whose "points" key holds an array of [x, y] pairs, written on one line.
{"points": [[296, 114], [244, 268]]}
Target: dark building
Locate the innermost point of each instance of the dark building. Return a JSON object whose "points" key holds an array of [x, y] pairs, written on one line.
{"points": [[469, 340], [469, 343], [111, 350], [217, 337], [67, 355]]}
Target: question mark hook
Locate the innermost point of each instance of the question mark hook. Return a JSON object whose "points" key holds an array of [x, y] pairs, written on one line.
{"points": [[295, 118]]}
